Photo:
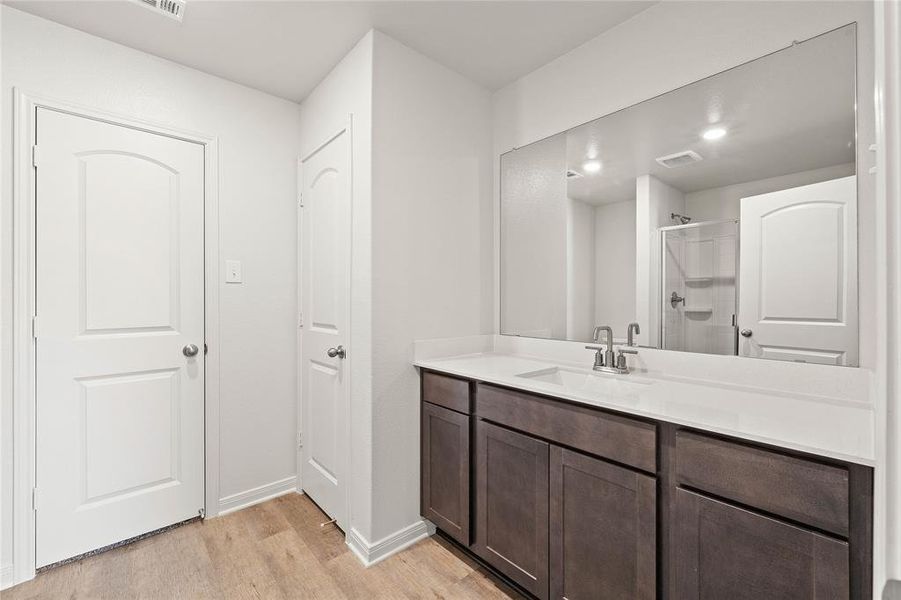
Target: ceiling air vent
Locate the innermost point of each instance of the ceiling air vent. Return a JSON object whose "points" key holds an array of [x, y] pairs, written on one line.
{"points": [[570, 174], [679, 159], [174, 9]]}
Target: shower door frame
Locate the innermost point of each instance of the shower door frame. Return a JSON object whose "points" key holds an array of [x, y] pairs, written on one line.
{"points": [[661, 232]]}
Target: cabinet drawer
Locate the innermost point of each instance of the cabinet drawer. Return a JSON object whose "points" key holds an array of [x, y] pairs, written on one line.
{"points": [[627, 441], [445, 391], [801, 490]]}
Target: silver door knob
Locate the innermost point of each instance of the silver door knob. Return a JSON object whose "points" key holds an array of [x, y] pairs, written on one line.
{"points": [[746, 332], [339, 352], [190, 350]]}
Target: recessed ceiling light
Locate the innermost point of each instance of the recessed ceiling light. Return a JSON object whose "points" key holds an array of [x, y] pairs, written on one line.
{"points": [[591, 166], [714, 133]]}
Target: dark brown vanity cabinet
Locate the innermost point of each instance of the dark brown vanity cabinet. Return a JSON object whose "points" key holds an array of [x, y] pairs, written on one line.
{"points": [[570, 501], [551, 513], [445, 455], [750, 522], [445, 470], [722, 551], [512, 505], [603, 529], [560, 523]]}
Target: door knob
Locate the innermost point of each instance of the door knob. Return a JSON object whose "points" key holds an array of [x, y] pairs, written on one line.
{"points": [[339, 352], [746, 332], [190, 350]]}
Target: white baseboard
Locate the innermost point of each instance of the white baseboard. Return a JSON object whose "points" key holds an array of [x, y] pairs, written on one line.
{"points": [[371, 553], [256, 495], [7, 576]]}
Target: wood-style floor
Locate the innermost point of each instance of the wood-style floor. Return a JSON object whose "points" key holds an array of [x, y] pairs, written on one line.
{"points": [[272, 550]]}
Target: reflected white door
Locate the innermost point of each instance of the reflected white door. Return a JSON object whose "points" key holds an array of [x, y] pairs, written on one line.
{"points": [[798, 274], [119, 296], [324, 345]]}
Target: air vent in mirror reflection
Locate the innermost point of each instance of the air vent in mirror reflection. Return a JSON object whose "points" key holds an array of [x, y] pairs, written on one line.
{"points": [[679, 159], [174, 9]]}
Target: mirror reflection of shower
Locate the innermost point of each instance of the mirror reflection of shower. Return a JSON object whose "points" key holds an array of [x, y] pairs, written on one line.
{"points": [[681, 218], [698, 286]]}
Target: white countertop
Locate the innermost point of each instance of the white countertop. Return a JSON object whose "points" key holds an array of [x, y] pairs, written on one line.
{"points": [[825, 426]]}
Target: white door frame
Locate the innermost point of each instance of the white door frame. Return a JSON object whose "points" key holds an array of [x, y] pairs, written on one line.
{"points": [[23, 305]]}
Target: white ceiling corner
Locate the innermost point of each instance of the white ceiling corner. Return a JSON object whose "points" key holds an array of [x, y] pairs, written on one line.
{"points": [[286, 47]]}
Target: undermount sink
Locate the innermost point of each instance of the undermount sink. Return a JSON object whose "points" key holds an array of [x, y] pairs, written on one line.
{"points": [[577, 380]]}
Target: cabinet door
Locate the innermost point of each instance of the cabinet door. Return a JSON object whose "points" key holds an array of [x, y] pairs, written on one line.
{"points": [[603, 529], [721, 551], [445, 470], [512, 505]]}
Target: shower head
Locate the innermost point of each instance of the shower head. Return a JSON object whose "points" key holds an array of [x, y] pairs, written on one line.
{"points": [[682, 218]]}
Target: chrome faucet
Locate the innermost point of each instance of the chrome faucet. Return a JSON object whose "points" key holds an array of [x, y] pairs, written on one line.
{"points": [[605, 359], [608, 354], [633, 329]]}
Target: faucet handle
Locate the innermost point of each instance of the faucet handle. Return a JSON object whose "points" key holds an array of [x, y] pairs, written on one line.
{"points": [[621, 358], [598, 355]]}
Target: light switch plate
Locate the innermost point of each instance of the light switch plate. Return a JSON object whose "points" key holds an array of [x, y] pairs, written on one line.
{"points": [[233, 271]]}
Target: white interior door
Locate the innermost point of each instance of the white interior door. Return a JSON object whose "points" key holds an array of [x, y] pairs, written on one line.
{"points": [[798, 274], [119, 299], [324, 345]]}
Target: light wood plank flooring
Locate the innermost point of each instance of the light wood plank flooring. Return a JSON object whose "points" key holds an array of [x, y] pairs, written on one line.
{"points": [[272, 550]]}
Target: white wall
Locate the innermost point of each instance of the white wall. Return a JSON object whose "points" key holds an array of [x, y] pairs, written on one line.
{"points": [[257, 183], [725, 202], [655, 201], [431, 203], [614, 295], [580, 270], [346, 91], [421, 218], [675, 43]]}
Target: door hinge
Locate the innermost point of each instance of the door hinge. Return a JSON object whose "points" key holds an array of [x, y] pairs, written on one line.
{"points": [[34, 155], [300, 200], [34, 498], [34, 327], [205, 349], [300, 321], [299, 440]]}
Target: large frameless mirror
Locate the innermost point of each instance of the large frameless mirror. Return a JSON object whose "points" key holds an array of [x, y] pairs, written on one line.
{"points": [[720, 217]]}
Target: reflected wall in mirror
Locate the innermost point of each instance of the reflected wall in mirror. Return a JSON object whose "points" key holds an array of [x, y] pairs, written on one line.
{"points": [[720, 216]]}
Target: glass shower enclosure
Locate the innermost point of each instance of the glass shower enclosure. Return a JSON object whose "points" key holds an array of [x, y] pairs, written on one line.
{"points": [[699, 285]]}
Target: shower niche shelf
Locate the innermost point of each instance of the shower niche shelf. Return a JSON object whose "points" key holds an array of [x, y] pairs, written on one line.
{"points": [[698, 309]]}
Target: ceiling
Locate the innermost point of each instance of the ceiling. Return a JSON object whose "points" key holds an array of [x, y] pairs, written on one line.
{"points": [[286, 47], [784, 113]]}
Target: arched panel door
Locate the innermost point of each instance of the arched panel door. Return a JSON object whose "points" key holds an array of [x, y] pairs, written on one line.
{"points": [[798, 274], [119, 310], [325, 340]]}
